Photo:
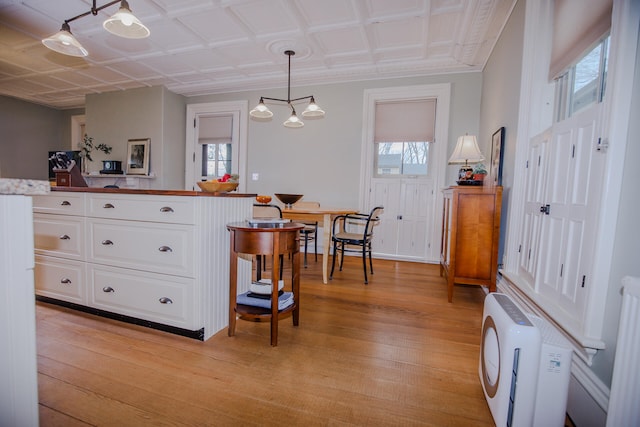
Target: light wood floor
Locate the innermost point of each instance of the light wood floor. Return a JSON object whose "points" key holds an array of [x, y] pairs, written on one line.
{"points": [[393, 352]]}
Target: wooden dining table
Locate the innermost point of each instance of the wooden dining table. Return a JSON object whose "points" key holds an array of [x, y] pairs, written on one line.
{"points": [[323, 216]]}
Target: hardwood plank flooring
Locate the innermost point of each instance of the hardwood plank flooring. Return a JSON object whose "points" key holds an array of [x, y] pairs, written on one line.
{"points": [[393, 352]]}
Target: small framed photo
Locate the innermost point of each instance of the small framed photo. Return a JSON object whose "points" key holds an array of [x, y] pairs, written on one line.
{"points": [[138, 156], [497, 148]]}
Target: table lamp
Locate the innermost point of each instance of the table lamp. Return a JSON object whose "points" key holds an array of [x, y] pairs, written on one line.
{"points": [[466, 151]]}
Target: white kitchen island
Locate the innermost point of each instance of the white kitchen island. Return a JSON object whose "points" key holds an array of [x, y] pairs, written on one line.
{"points": [[158, 258]]}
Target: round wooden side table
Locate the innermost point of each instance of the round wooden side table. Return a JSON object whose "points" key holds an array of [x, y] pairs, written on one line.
{"points": [[265, 239]]}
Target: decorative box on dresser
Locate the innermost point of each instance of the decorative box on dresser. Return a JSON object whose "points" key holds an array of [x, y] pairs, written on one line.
{"points": [[152, 257], [470, 236]]}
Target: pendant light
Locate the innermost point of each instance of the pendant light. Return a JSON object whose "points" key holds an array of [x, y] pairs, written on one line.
{"points": [[123, 23], [64, 42], [261, 111]]}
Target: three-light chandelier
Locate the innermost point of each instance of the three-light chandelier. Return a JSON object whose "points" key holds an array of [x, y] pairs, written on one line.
{"points": [[261, 111], [123, 23]]}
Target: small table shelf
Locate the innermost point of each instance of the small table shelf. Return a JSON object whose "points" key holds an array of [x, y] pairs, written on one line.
{"points": [[275, 240]]}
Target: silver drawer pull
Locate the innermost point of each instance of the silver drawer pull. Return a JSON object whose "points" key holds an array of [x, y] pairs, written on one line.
{"points": [[108, 206], [65, 203], [166, 209], [165, 300], [65, 281], [108, 289], [107, 242], [65, 237], [165, 249]]}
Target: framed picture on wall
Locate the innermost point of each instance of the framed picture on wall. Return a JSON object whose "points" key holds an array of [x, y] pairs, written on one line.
{"points": [[138, 156], [497, 148]]}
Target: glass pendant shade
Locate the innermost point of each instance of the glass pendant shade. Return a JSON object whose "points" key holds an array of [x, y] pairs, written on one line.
{"points": [[64, 42], [313, 110], [466, 150], [124, 24], [261, 111], [293, 121]]}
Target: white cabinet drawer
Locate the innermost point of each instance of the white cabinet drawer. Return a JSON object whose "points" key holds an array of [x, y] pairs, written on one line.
{"points": [[175, 210], [142, 246], [60, 279], [59, 235], [60, 203], [158, 298]]}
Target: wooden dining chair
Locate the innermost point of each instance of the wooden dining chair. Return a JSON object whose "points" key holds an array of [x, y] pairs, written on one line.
{"points": [[310, 230], [265, 211], [354, 233]]}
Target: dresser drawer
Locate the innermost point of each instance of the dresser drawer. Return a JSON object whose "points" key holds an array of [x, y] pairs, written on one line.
{"points": [[158, 298], [60, 279], [60, 203], [59, 235], [175, 210], [142, 246]]}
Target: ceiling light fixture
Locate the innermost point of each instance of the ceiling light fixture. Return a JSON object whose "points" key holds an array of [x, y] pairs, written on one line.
{"points": [[123, 23], [261, 111]]}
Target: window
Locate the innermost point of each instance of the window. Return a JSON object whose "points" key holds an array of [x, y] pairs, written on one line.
{"points": [[215, 139], [216, 159], [401, 158], [403, 132], [583, 84]]}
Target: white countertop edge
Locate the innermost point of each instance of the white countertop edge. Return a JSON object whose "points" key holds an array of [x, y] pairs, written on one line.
{"points": [[24, 186]]}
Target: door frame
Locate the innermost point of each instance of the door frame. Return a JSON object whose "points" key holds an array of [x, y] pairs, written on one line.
{"points": [[438, 161], [239, 111]]}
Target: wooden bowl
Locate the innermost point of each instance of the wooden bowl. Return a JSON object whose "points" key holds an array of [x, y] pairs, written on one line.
{"points": [[289, 199], [217, 187], [263, 199]]}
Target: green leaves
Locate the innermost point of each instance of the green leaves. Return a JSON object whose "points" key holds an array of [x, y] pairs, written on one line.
{"points": [[87, 146]]}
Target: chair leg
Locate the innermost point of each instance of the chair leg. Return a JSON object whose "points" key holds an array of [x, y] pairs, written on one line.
{"points": [[258, 267], [341, 254], [315, 243], [306, 244], [370, 261], [333, 262], [364, 263]]}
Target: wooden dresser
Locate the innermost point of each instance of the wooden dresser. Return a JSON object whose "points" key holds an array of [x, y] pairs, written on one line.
{"points": [[470, 236]]}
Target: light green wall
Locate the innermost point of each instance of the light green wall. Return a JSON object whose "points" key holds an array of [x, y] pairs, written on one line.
{"points": [[322, 159], [27, 133], [500, 104], [113, 118]]}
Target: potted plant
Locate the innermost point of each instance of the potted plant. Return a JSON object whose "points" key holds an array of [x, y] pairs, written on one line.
{"points": [[87, 146], [479, 172]]}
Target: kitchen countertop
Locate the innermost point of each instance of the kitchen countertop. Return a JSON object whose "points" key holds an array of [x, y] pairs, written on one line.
{"points": [[24, 186], [153, 192]]}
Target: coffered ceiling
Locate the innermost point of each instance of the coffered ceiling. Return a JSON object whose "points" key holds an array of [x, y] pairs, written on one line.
{"points": [[200, 47]]}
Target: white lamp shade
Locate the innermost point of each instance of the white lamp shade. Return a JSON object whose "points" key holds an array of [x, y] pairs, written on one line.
{"points": [[261, 111], [293, 121], [64, 42], [124, 24], [466, 150], [313, 110]]}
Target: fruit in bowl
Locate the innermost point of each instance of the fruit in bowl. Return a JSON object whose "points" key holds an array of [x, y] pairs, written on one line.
{"points": [[263, 199], [216, 186]]}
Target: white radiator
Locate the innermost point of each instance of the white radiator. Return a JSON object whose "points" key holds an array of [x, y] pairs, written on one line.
{"points": [[625, 384]]}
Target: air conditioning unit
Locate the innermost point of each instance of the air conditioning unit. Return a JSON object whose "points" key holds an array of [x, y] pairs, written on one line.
{"points": [[524, 366]]}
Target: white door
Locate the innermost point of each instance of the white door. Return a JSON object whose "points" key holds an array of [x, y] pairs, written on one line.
{"points": [[411, 225], [235, 156]]}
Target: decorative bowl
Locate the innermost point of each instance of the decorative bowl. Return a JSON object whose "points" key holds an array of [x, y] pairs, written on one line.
{"points": [[263, 199], [217, 187], [288, 199]]}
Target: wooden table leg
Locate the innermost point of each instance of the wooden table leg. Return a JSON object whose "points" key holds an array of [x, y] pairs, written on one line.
{"points": [[233, 286], [275, 283], [326, 244]]}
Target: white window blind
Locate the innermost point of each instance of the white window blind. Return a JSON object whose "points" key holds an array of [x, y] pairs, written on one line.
{"points": [[405, 121], [215, 130], [577, 25]]}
